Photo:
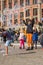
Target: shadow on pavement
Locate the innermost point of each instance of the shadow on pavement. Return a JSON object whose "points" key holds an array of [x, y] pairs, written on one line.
{"points": [[22, 53], [25, 53]]}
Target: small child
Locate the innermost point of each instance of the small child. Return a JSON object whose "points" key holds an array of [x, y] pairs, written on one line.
{"points": [[21, 38], [35, 37]]}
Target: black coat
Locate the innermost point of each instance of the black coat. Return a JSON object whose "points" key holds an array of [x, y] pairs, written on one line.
{"points": [[29, 27]]}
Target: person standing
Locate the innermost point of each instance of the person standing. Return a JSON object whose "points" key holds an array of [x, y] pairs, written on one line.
{"points": [[21, 39], [41, 39], [29, 31], [35, 37]]}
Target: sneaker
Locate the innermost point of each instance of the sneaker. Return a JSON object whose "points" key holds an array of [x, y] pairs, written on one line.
{"points": [[32, 48], [36, 47], [20, 48], [5, 54]]}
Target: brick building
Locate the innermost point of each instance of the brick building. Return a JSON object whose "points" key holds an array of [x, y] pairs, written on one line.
{"points": [[12, 11]]}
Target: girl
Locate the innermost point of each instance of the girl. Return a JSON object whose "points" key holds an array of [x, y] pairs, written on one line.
{"points": [[21, 38]]}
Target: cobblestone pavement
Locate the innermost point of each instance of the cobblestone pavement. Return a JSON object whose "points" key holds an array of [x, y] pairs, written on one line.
{"points": [[21, 57]]}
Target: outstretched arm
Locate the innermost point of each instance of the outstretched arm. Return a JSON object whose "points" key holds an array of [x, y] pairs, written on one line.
{"points": [[33, 22], [25, 22]]}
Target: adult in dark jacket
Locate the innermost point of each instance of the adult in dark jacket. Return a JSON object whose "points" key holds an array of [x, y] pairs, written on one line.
{"points": [[29, 31]]}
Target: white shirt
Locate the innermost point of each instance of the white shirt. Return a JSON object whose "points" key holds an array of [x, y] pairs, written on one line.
{"points": [[21, 36]]}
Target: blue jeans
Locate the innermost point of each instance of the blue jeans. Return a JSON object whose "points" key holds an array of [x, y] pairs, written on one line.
{"points": [[8, 42]]}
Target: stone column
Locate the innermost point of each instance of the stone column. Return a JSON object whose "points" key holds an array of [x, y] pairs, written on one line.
{"points": [[24, 9], [39, 10], [31, 10], [13, 12], [1, 12], [19, 12], [7, 6]]}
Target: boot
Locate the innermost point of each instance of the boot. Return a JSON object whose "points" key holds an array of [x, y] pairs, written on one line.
{"points": [[32, 47]]}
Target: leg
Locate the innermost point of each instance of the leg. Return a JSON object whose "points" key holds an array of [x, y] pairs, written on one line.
{"points": [[28, 37], [20, 44], [6, 50], [31, 43], [6, 46], [29, 40], [23, 44], [35, 44]]}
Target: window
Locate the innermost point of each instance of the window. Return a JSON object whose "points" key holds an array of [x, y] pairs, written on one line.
{"points": [[4, 23], [35, 1], [27, 12], [4, 20], [21, 3], [15, 15], [4, 4], [27, 2], [42, 12], [21, 14], [35, 12], [10, 3], [15, 2], [4, 17], [21, 21], [16, 21]]}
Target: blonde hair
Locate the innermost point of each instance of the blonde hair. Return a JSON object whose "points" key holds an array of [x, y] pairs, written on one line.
{"points": [[21, 30]]}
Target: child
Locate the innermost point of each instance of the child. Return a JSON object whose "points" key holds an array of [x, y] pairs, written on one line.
{"points": [[21, 38], [35, 37], [8, 41]]}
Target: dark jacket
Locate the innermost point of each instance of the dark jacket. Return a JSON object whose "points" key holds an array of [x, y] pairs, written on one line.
{"points": [[8, 35], [29, 27], [35, 36]]}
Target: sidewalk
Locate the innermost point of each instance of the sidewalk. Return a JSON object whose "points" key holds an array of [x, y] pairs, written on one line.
{"points": [[18, 56], [17, 44]]}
